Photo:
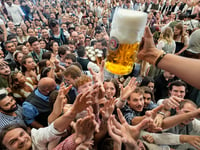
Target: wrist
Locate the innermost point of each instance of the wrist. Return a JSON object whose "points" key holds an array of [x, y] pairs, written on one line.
{"points": [[159, 57], [183, 138]]}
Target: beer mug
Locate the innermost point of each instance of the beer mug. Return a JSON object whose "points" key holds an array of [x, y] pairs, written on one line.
{"points": [[126, 33]]}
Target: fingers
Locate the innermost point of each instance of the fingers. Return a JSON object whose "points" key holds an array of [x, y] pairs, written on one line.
{"points": [[132, 82], [121, 117], [144, 124], [115, 122], [157, 109]]}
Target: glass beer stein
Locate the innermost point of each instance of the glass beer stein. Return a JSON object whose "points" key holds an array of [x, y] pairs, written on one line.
{"points": [[126, 33]]}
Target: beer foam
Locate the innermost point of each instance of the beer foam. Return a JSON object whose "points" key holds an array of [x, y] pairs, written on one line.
{"points": [[128, 25]]}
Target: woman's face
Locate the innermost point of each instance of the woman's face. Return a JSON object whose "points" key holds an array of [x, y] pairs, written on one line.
{"points": [[42, 44], [25, 50], [55, 47], [151, 85], [109, 90], [177, 31], [19, 32], [19, 57], [30, 64], [21, 78]]}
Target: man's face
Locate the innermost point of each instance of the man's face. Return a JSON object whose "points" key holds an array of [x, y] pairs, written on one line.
{"points": [[81, 39], [5, 70], [69, 80], [186, 109], [11, 47], [36, 46], [136, 102], [84, 87], [17, 139], [8, 105], [68, 62], [9, 2], [45, 33], [147, 99], [168, 75], [178, 91]]}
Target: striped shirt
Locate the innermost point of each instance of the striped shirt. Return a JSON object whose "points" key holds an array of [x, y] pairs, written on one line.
{"points": [[7, 119]]}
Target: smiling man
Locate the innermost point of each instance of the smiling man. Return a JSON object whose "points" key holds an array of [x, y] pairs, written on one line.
{"points": [[135, 105]]}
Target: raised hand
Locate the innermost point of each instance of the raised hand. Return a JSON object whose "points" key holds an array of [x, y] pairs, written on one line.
{"points": [[123, 132], [85, 128], [148, 51], [98, 79], [172, 102], [153, 127], [108, 109], [125, 92], [83, 100]]}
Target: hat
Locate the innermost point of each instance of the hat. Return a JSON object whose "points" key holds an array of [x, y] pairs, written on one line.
{"points": [[194, 43]]}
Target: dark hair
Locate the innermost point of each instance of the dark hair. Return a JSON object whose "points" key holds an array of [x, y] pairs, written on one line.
{"points": [[5, 130], [147, 90], [177, 83], [44, 72], [51, 45], [10, 37], [2, 96], [46, 55], [52, 98], [146, 80], [71, 56], [7, 42], [81, 51], [32, 39], [52, 23], [42, 64], [62, 50], [24, 62]]}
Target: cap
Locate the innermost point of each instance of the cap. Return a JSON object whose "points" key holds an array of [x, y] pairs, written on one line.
{"points": [[194, 43]]}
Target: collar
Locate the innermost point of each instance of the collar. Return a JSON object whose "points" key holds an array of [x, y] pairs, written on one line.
{"points": [[40, 95]]}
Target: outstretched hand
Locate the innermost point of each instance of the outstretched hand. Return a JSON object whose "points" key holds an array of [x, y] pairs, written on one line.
{"points": [[85, 128], [123, 132]]}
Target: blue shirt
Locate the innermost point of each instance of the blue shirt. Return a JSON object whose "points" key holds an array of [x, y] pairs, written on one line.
{"points": [[29, 110]]}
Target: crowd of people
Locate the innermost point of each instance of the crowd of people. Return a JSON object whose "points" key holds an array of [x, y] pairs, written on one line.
{"points": [[55, 93]]}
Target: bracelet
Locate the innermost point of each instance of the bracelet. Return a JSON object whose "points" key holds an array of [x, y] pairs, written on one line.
{"points": [[159, 58], [162, 113]]}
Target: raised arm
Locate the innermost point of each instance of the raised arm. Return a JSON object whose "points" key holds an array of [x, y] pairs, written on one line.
{"points": [[184, 68]]}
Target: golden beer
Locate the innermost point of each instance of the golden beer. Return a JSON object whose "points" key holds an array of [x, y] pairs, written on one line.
{"points": [[126, 32]]}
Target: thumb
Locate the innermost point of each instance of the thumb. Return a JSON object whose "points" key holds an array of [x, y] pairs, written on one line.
{"points": [[147, 32]]}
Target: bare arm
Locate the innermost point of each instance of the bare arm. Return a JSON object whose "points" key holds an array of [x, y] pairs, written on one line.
{"points": [[177, 119], [184, 68]]}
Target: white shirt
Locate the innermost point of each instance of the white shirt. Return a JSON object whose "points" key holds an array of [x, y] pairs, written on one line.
{"points": [[15, 12], [42, 136]]}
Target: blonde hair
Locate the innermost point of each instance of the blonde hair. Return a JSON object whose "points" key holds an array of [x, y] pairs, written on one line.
{"points": [[167, 35]]}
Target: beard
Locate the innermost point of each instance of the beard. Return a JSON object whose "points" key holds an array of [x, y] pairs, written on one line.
{"points": [[12, 109]]}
